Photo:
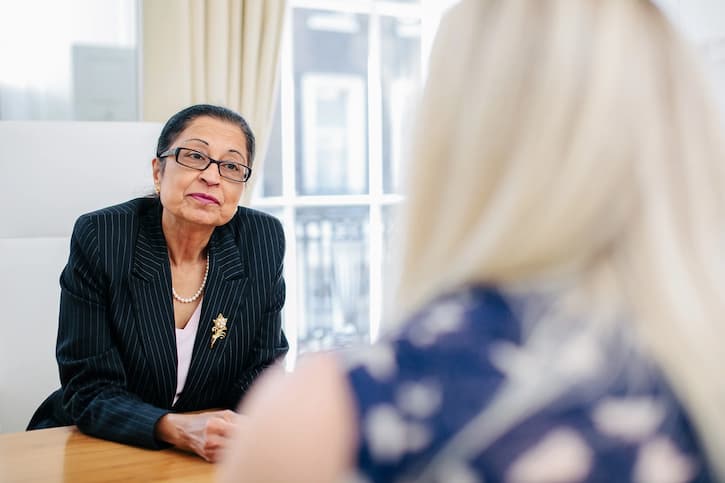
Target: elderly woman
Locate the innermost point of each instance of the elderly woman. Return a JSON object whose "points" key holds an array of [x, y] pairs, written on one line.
{"points": [[171, 304], [562, 289]]}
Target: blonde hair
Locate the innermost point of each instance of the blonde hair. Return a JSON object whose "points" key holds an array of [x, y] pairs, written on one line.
{"points": [[572, 146]]}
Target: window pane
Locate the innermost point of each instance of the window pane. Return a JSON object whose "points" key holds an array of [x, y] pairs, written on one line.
{"points": [[332, 275], [703, 23], [271, 182], [74, 59], [390, 238], [400, 64], [330, 69], [272, 210]]}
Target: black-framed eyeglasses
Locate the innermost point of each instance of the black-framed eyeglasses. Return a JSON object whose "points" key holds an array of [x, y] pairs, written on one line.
{"points": [[228, 169]]}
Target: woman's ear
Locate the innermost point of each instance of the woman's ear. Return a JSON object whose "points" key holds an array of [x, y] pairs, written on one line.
{"points": [[156, 171]]}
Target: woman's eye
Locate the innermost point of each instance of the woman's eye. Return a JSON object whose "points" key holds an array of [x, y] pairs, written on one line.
{"points": [[196, 156], [232, 166]]}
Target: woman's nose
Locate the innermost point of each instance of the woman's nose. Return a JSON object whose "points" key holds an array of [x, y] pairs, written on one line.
{"points": [[211, 174]]}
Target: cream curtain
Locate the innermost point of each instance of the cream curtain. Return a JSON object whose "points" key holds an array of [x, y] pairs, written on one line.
{"points": [[223, 52]]}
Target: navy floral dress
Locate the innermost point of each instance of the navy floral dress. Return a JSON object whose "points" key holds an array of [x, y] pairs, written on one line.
{"points": [[457, 396]]}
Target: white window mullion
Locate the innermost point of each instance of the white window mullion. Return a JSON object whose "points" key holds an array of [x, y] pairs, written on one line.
{"points": [[287, 111], [348, 6], [375, 149], [394, 9], [328, 200], [375, 199]]}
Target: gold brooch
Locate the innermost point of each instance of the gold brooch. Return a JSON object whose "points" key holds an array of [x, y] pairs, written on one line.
{"points": [[219, 331]]}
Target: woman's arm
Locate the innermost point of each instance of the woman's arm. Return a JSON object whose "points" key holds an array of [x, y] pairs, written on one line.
{"points": [[270, 343], [299, 427], [91, 369]]}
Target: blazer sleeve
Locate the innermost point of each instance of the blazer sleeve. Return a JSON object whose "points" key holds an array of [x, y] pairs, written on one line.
{"points": [[270, 343], [91, 369]]}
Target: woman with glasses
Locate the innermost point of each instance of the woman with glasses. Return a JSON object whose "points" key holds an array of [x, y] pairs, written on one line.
{"points": [[562, 284], [171, 304]]}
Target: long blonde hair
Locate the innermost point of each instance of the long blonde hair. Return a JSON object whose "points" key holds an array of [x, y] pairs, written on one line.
{"points": [[573, 146]]}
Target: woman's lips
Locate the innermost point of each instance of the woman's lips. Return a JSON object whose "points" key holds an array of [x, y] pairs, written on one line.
{"points": [[204, 198]]}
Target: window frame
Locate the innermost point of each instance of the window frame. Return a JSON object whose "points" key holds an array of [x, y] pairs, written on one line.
{"points": [[375, 199]]}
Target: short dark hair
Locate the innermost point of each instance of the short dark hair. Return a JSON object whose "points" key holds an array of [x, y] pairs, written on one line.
{"points": [[179, 121]]}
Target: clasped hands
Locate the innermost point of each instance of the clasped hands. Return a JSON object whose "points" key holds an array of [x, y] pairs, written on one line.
{"points": [[206, 433]]}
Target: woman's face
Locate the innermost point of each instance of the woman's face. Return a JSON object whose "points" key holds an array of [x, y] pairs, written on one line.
{"points": [[202, 197]]}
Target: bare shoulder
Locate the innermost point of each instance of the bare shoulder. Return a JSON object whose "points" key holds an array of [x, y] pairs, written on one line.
{"points": [[317, 371], [318, 379], [305, 419]]}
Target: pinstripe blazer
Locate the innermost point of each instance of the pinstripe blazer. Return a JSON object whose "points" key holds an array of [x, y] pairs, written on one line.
{"points": [[116, 347]]}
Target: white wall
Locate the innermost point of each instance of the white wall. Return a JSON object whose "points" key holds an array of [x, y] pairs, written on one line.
{"points": [[36, 54], [52, 172]]}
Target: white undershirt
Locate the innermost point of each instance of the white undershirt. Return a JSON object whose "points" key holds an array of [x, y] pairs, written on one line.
{"points": [[184, 346]]}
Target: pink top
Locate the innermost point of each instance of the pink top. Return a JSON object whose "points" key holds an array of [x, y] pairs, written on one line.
{"points": [[184, 346]]}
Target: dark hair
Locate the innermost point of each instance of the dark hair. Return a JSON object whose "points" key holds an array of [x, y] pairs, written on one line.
{"points": [[179, 121]]}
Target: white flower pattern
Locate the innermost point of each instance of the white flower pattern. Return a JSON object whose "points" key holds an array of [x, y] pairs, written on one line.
{"points": [[631, 419], [659, 461], [378, 360], [419, 399], [390, 436], [561, 456], [443, 319], [412, 409], [457, 472]]}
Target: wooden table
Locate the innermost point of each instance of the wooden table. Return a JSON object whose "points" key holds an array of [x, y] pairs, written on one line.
{"points": [[66, 455]]}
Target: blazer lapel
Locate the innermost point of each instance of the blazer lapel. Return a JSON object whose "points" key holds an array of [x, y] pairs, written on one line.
{"points": [[150, 286], [225, 289]]}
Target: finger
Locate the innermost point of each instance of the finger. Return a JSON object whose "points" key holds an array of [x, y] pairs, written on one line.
{"points": [[220, 427], [214, 448], [207, 455], [215, 455], [229, 416], [209, 445]]}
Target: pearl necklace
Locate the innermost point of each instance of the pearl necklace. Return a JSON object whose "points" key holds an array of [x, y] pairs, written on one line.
{"points": [[188, 300]]}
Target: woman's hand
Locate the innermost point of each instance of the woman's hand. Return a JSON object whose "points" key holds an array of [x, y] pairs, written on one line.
{"points": [[206, 434]]}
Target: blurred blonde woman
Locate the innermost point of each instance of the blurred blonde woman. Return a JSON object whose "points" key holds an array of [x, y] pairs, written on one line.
{"points": [[561, 288]]}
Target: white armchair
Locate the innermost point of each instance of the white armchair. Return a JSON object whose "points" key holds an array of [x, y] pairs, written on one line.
{"points": [[52, 172]]}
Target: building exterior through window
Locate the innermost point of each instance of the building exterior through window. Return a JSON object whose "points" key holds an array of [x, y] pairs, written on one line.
{"points": [[351, 72]]}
